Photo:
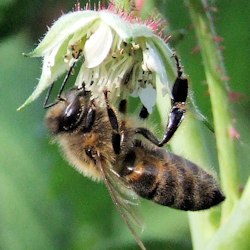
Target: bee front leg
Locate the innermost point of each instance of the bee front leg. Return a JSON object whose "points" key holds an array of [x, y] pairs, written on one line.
{"points": [[116, 137], [90, 117]]}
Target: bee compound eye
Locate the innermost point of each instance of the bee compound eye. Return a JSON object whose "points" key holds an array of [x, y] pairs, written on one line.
{"points": [[90, 152], [72, 115]]}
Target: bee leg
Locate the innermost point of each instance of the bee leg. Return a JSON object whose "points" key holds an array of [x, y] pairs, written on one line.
{"points": [[123, 106], [175, 118], [143, 113], [123, 109], [59, 98], [148, 135], [90, 118], [178, 109], [177, 113], [116, 137]]}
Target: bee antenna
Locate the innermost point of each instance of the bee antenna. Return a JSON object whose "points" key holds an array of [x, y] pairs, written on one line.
{"points": [[65, 81], [59, 98], [45, 105]]}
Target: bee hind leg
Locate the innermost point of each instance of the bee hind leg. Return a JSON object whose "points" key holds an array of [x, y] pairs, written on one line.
{"points": [[172, 126], [176, 116], [177, 112], [116, 137], [148, 135], [178, 108]]}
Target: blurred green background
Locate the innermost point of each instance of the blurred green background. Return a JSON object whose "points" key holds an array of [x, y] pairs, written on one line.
{"points": [[46, 204]]}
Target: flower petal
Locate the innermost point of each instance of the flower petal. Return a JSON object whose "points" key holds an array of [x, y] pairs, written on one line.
{"points": [[149, 59], [155, 62], [98, 46], [64, 27], [53, 67], [148, 97], [126, 30], [167, 71]]}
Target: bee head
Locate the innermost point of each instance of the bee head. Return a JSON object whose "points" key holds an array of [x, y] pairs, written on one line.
{"points": [[68, 113]]}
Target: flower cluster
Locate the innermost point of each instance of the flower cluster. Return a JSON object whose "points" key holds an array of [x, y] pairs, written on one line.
{"points": [[117, 53]]}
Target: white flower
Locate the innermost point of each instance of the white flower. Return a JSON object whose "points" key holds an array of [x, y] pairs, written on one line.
{"points": [[117, 53]]}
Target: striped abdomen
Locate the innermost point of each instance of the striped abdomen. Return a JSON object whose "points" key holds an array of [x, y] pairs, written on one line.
{"points": [[170, 180]]}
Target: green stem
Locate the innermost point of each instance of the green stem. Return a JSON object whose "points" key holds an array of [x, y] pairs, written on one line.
{"points": [[214, 71], [235, 233], [188, 142]]}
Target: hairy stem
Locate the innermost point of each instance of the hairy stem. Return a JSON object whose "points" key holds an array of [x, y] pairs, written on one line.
{"points": [[219, 91]]}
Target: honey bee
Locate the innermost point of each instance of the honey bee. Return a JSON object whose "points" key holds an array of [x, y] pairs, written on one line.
{"points": [[110, 145], [176, 115]]}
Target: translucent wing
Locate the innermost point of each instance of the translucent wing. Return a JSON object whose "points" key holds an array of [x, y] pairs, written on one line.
{"points": [[126, 197], [123, 197]]}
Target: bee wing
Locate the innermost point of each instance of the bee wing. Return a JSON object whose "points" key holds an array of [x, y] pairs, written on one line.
{"points": [[126, 198], [123, 197]]}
